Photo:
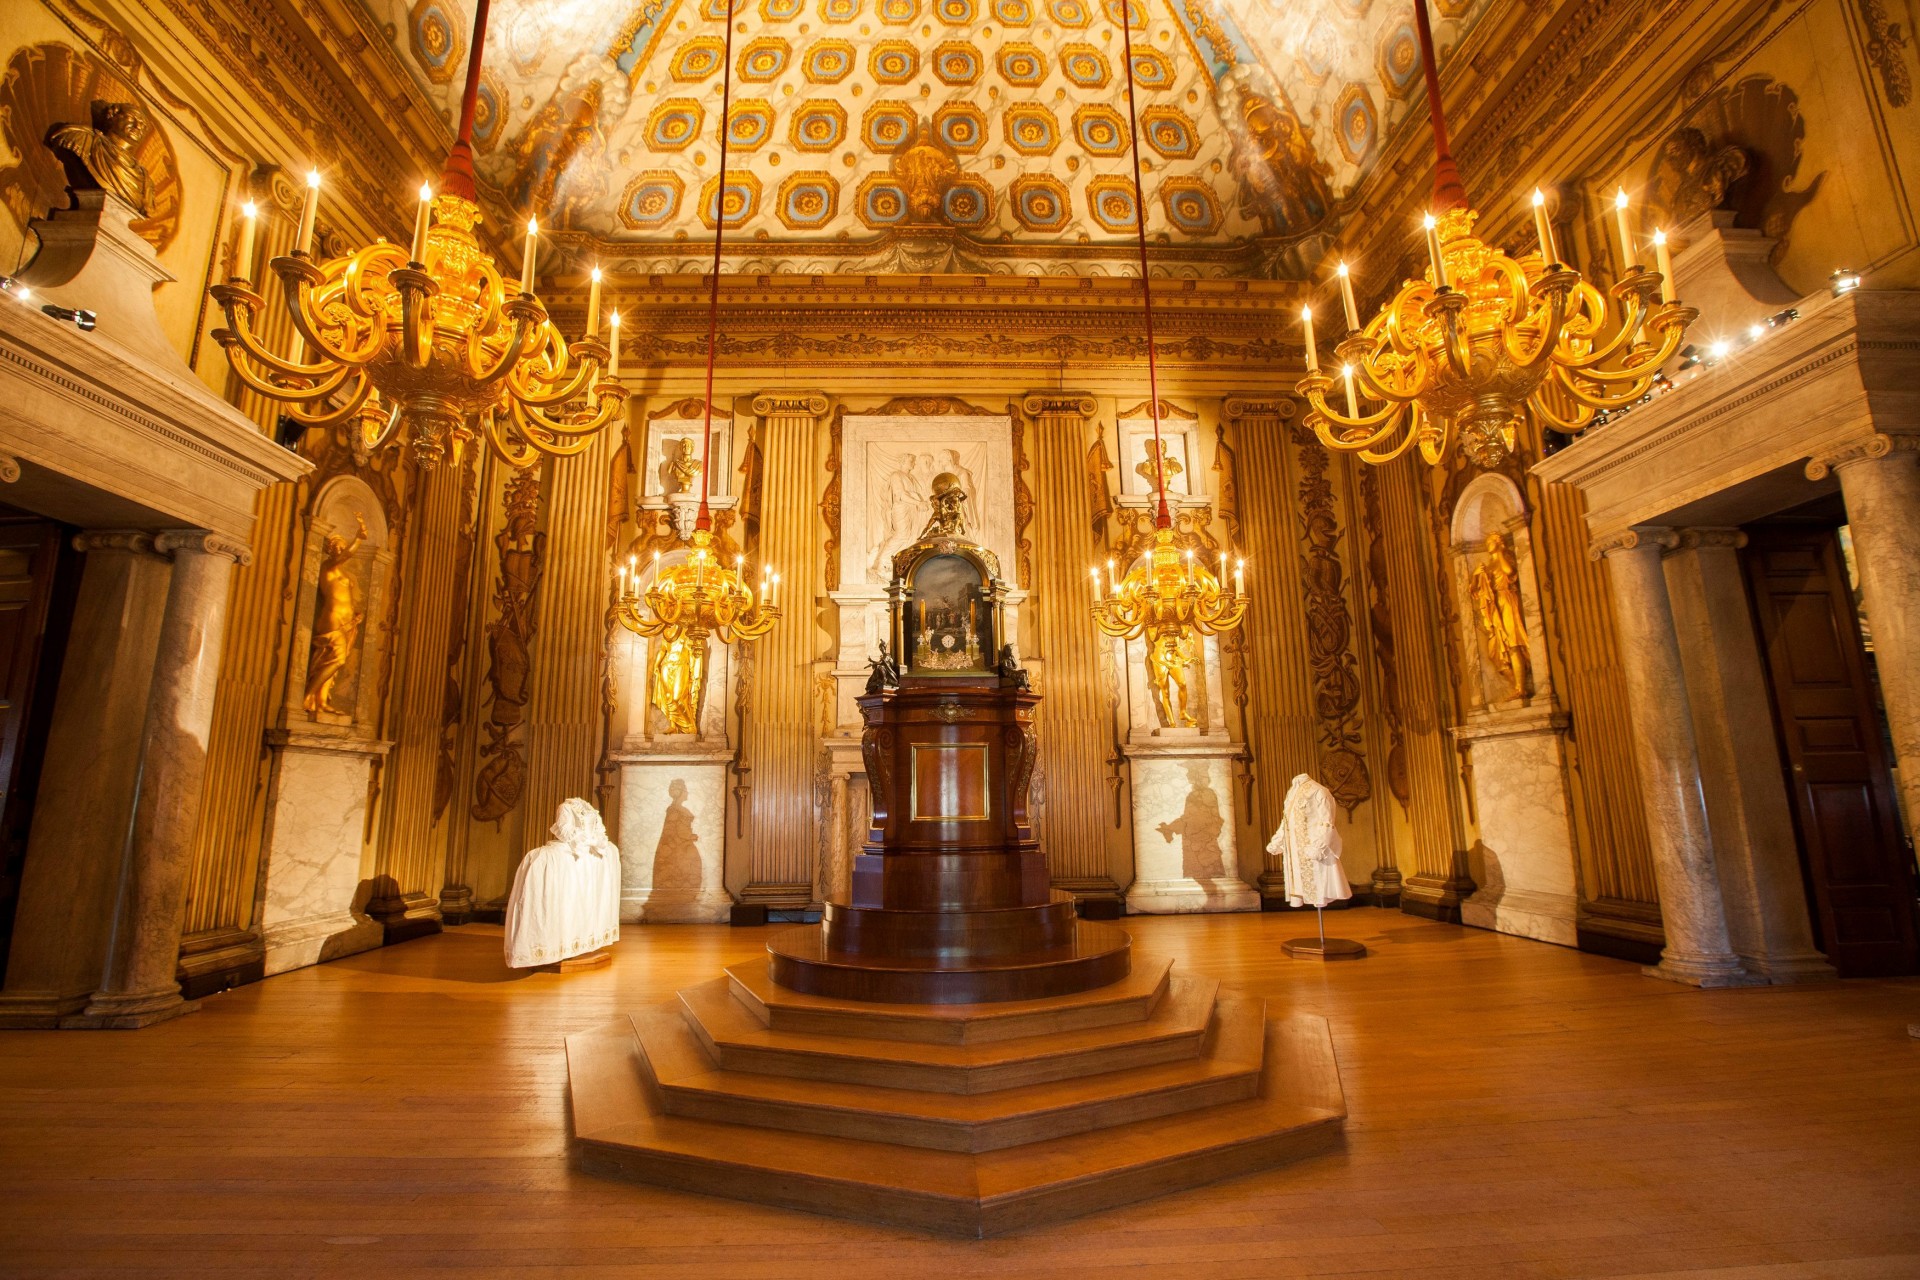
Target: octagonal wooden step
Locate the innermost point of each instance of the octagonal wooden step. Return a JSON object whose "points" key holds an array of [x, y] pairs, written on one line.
{"points": [[1131, 999], [1226, 1070], [1098, 954], [620, 1127], [737, 1041]]}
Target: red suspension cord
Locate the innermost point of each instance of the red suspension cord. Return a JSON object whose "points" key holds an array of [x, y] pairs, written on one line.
{"points": [[1161, 519], [456, 179], [705, 520]]}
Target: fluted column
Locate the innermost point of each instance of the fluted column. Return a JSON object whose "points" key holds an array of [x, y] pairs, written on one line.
{"points": [[564, 721], [1698, 951], [1279, 720], [781, 738], [1880, 481], [1076, 730], [412, 856], [139, 986]]}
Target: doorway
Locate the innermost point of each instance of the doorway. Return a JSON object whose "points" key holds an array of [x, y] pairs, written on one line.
{"points": [[1855, 857], [39, 577]]}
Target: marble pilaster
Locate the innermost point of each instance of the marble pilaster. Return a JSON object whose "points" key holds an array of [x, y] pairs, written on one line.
{"points": [[673, 807], [1185, 850], [1698, 950], [1742, 783], [1526, 863], [316, 825], [139, 987]]}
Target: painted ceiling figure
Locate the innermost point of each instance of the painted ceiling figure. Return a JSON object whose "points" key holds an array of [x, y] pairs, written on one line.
{"points": [[556, 157], [1282, 179], [99, 157]]}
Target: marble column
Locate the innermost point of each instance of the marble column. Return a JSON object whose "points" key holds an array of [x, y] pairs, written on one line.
{"points": [[1076, 728], [76, 850], [1880, 481], [1742, 781], [1698, 950], [781, 732], [139, 987]]}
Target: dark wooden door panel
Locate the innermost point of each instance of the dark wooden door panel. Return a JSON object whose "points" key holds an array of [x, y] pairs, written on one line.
{"points": [[30, 551], [1859, 871]]}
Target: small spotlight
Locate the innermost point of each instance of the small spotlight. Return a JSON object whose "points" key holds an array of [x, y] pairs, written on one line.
{"points": [[1843, 281], [1718, 350], [1757, 332]]}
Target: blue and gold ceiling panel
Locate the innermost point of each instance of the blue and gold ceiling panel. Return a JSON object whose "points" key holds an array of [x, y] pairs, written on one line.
{"points": [[968, 203], [743, 199], [818, 125], [781, 10], [1357, 125], [1191, 206], [887, 126], [962, 126], [1110, 203], [1070, 13], [438, 34], [674, 124], [1013, 13], [1022, 65], [651, 202], [697, 59], [880, 202], [956, 64], [489, 112], [1399, 59], [827, 62], [763, 59], [839, 10], [898, 13], [1031, 129], [1151, 69], [807, 201], [1100, 130], [893, 62], [1085, 66], [955, 13], [1039, 202], [1136, 12], [1169, 131], [750, 124]]}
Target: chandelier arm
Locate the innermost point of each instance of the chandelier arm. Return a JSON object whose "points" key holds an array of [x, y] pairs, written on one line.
{"points": [[361, 388], [386, 433], [326, 380], [296, 279], [509, 361], [530, 418], [1435, 441], [1607, 400], [239, 313], [1622, 340], [417, 326], [1380, 389], [1323, 419], [515, 453], [1376, 457], [1581, 418], [1549, 335]]}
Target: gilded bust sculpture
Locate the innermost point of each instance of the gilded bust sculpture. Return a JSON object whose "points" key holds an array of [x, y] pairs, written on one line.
{"points": [[679, 675], [1157, 453], [337, 619], [99, 156], [1495, 588], [680, 468]]}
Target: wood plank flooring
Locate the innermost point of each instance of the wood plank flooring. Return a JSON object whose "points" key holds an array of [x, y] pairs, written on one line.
{"points": [[1517, 1110]]}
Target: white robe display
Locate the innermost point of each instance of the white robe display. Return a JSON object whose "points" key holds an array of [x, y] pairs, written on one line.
{"points": [[566, 894], [1308, 847]]}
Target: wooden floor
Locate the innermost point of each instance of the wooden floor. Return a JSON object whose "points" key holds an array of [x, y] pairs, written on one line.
{"points": [[1518, 1110]]}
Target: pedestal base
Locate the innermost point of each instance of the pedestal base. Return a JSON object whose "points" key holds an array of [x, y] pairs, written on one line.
{"points": [[1324, 949], [1185, 854], [600, 959], [1179, 897], [1093, 956]]}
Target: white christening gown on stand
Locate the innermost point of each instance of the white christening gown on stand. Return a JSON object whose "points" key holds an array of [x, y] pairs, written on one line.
{"points": [[1308, 846], [566, 894]]}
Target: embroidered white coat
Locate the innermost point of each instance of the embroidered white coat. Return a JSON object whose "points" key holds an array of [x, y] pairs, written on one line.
{"points": [[1308, 846], [566, 894]]}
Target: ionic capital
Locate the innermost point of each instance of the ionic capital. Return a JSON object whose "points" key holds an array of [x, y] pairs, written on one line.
{"points": [[172, 542], [1731, 539], [135, 541], [1240, 408], [1640, 537], [1071, 404], [1875, 447], [790, 404]]}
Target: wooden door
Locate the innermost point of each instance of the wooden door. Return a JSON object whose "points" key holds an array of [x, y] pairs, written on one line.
{"points": [[1859, 871]]}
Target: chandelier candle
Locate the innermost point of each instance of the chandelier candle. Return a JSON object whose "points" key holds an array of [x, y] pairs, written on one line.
{"points": [[1346, 297], [243, 252], [1543, 228], [593, 304], [1627, 256], [1663, 256], [613, 342], [421, 222], [308, 210], [529, 256], [1306, 323], [1433, 252]]}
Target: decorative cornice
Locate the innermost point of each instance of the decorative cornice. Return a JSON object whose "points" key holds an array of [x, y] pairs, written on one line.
{"points": [[1879, 445], [171, 542], [790, 403], [1640, 537]]}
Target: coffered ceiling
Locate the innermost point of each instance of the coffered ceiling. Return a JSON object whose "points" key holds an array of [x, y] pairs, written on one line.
{"points": [[930, 134]]}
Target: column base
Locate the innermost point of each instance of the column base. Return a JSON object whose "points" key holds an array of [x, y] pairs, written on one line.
{"points": [[1782, 971], [1187, 896], [123, 1012], [1432, 898], [1702, 971], [456, 905], [37, 1010]]}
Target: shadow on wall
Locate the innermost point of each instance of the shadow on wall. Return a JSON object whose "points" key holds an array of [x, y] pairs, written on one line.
{"points": [[1198, 828]]}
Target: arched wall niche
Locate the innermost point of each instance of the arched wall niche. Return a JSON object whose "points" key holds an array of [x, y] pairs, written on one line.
{"points": [[347, 517], [1490, 511]]}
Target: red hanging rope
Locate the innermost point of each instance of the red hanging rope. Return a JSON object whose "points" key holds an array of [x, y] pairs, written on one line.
{"points": [[1161, 518], [456, 179], [705, 520], [1448, 191]]}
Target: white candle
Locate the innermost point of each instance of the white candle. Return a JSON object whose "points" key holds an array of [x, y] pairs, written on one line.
{"points": [[773, 593], [1664, 257], [1626, 232], [1433, 252], [613, 367], [308, 210], [529, 255], [1306, 322], [1239, 577], [593, 305], [1346, 296], [1223, 564], [243, 252], [1543, 228], [1353, 406], [1097, 595], [420, 224]]}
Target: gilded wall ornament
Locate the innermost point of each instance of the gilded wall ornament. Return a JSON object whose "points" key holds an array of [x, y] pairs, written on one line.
{"points": [[339, 614], [1495, 590], [1336, 682], [522, 552], [678, 681]]}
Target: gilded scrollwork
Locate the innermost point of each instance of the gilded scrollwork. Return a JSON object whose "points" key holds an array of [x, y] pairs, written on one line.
{"points": [[1380, 627], [522, 555], [1336, 682]]}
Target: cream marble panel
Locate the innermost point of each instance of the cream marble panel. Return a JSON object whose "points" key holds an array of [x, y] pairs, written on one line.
{"points": [[1525, 865], [672, 838], [1185, 851], [314, 829]]}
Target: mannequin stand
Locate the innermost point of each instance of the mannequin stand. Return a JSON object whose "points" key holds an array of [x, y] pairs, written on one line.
{"points": [[1323, 947], [591, 960]]}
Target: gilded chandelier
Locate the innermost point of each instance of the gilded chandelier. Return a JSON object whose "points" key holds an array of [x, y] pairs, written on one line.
{"points": [[1466, 351], [430, 332], [701, 596], [1165, 597]]}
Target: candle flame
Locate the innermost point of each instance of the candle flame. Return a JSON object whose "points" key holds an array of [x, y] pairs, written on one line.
{"points": [[596, 275], [1341, 269], [313, 178], [248, 209], [426, 193], [533, 226], [1538, 198], [616, 320], [1659, 237], [1306, 313], [1620, 198], [1431, 222]]}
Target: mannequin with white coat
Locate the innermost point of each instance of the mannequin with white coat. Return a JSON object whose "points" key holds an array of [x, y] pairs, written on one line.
{"points": [[566, 895], [1308, 848]]}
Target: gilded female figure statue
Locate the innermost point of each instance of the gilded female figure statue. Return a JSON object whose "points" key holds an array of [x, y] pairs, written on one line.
{"points": [[1495, 587], [679, 674], [337, 617], [1167, 659]]}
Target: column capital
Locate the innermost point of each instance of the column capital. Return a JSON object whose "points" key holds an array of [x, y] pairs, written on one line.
{"points": [[1067, 403], [790, 403], [1728, 538], [1874, 447], [137, 541], [1280, 406], [1638, 538], [9, 468], [171, 542]]}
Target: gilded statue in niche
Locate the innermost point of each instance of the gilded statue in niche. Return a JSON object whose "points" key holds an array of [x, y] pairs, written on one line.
{"points": [[1495, 588], [338, 615], [679, 681], [679, 469], [1159, 462], [1169, 654], [523, 553]]}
